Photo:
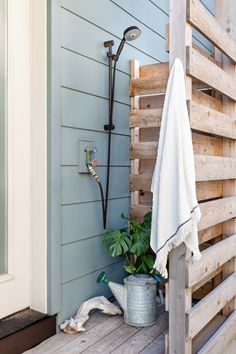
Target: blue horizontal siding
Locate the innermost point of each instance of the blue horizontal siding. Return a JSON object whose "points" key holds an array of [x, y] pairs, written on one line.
{"points": [[83, 220], [78, 188], [89, 112], [119, 148], [83, 288]]}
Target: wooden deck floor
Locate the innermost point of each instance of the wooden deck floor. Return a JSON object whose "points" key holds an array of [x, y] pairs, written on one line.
{"points": [[105, 335]]}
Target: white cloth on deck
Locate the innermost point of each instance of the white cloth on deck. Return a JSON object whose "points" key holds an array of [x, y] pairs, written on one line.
{"points": [[175, 210]]}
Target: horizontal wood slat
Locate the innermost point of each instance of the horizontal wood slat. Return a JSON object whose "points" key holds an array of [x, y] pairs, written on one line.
{"points": [[138, 212], [151, 102], [209, 168], [210, 305], [222, 337], [204, 70], [209, 190], [205, 22], [148, 86], [205, 190], [204, 99], [212, 258], [217, 211], [143, 150], [210, 233], [206, 279], [145, 118], [202, 145], [202, 118], [213, 212], [152, 70], [203, 336], [208, 120]]}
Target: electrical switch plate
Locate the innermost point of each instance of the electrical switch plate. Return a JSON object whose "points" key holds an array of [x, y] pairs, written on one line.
{"points": [[83, 144]]}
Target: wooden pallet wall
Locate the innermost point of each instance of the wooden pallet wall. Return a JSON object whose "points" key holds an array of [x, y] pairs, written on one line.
{"points": [[209, 325]]}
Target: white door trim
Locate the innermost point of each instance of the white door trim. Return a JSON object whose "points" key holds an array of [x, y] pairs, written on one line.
{"points": [[15, 285], [39, 155]]}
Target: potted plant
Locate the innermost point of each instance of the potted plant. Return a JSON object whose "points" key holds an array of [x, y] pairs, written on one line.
{"points": [[137, 297], [131, 243]]}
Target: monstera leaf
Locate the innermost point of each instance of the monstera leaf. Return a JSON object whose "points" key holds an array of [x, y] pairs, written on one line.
{"points": [[144, 264], [147, 221], [116, 242], [140, 243]]}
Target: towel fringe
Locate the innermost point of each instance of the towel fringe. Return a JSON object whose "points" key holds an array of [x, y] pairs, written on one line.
{"points": [[180, 236]]}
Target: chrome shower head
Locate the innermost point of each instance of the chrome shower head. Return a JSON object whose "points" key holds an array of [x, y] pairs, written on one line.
{"points": [[131, 33]]}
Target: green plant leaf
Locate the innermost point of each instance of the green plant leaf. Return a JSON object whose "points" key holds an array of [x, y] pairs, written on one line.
{"points": [[140, 243], [116, 242], [149, 261], [130, 269]]}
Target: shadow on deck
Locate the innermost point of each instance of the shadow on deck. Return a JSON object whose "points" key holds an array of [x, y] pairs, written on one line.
{"points": [[106, 334]]}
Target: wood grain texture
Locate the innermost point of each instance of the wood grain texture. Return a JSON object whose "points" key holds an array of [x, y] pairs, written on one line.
{"points": [[145, 118], [212, 258], [216, 211], [200, 67], [208, 307], [210, 233], [206, 100], [206, 23], [202, 145], [154, 70], [148, 86], [225, 16], [207, 168], [208, 120], [205, 190], [203, 336], [222, 337], [144, 337]]}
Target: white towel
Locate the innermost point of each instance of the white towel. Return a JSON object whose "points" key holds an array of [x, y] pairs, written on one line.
{"points": [[175, 210]]}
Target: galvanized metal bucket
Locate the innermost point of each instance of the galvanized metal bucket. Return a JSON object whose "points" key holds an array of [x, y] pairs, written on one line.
{"points": [[141, 308]]}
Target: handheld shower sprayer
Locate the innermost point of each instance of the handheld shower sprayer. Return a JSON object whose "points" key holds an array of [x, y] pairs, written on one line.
{"points": [[130, 34]]}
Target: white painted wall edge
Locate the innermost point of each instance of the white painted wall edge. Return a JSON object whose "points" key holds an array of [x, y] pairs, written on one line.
{"points": [[38, 287]]}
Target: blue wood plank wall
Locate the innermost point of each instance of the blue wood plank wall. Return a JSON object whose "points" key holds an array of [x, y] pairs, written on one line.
{"points": [[78, 90]]}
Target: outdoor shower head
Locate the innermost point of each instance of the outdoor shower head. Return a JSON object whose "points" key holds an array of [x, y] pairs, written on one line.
{"points": [[130, 34]]}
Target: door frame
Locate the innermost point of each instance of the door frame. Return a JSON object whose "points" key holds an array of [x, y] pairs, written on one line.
{"points": [[39, 156], [27, 157]]}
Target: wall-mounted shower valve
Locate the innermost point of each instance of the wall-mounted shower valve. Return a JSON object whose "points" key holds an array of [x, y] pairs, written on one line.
{"points": [[87, 150]]}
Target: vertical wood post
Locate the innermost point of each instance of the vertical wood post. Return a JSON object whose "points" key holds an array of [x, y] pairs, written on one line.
{"points": [[225, 14], [134, 71], [180, 298]]}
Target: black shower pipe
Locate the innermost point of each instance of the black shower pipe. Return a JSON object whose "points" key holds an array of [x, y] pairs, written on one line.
{"points": [[130, 34]]}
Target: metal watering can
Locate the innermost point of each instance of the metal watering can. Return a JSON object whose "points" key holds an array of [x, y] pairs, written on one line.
{"points": [[137, 298]]}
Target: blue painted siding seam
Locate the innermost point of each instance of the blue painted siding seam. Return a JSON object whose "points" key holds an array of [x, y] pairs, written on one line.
{"points": [[92, 94], [98, 165], [137, 19], [92, 59], [112, 34], [93, 130], [153, 3], [95, 271], [81, 239], [94, 201]]}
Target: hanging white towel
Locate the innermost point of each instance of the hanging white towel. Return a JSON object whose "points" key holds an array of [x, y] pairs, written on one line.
{"points": [[175, 210]]}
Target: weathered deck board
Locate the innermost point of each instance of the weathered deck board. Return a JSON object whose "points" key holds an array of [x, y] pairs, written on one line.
{"points": [[144, 337], [61, 339], [91, 337], [157, 346], [108, 335]]}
